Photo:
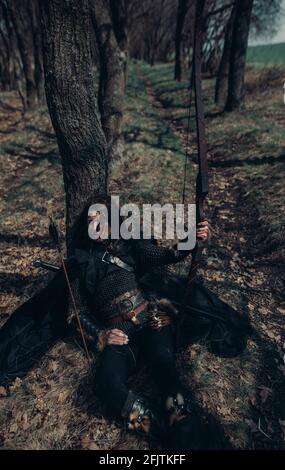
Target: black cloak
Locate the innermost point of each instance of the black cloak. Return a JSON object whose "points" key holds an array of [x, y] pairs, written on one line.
{"points": [[36, 325]]}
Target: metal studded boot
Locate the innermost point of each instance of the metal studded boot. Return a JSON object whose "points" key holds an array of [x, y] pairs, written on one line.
{"points": [[145, 419], [178, 406]]}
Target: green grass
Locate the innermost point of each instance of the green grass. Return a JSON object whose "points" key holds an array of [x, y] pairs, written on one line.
{"points": [[155, 154], [269, 54], [152, 172], [244, 141], [146, 125]]}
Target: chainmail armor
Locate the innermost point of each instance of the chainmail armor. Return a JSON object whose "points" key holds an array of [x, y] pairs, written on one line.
{"points": [[147, 256]]}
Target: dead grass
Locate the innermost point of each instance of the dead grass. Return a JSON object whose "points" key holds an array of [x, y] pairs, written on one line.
{"points": [[54, 407]]}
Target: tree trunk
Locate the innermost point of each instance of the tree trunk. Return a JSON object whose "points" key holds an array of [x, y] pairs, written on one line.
{"points": [[119, 12], [235, 100], [72, 101], [19, 13], [181, 14], [223, 71], [13, 59], [38, 53], [5, 58], [112, 80]]}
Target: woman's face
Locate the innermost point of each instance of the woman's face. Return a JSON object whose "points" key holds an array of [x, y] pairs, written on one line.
{"points": [[98, 227]]}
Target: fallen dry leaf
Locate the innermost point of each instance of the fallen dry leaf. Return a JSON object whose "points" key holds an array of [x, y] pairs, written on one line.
{"points": [[3, 392]]}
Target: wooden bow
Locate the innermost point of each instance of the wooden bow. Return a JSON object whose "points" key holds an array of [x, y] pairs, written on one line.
{"points": [[202, 184]]}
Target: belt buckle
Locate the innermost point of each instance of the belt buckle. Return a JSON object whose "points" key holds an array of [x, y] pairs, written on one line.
{"points": [[102, 259]]}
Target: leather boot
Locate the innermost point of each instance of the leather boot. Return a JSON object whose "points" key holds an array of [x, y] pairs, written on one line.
{"points": [[145, 419]]}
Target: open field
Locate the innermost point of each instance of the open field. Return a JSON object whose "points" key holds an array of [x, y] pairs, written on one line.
{"points": [[269, 54]]}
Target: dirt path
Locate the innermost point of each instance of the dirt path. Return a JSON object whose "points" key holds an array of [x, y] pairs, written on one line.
{"points": [[54, 407], [238, 271]]}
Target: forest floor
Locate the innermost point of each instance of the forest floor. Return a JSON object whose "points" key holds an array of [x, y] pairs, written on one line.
{"points": [[54, 407]]}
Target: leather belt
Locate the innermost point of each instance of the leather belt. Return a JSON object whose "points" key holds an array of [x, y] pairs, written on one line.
{"points": [[126, 307], [132, 315]]}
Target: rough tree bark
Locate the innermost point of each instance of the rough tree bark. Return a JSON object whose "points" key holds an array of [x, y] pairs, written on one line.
{"points": [[181, 14], [72, 102], [119, 11], [223, 71], [235, 99], [6, 77], [19, 13], [112, 80]]}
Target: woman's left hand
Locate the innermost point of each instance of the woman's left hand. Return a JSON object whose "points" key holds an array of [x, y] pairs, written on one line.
{"points": [[203, 231]]}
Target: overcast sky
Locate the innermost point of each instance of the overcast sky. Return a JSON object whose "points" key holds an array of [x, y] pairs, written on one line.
{"points": [[280, 36]]}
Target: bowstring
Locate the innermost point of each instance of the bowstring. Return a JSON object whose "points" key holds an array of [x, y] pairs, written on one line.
{"points": [[187, 145]]}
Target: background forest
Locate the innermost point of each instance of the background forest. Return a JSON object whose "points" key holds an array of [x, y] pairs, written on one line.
{"points": [[95, 94]]}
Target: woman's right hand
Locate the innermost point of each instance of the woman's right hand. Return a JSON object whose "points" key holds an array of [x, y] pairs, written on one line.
{"points": [[114, 336]]}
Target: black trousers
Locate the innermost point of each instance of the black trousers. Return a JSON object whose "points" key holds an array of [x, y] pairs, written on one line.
{"points": [[117, 363]]}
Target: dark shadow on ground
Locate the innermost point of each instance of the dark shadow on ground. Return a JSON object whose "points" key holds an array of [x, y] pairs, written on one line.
{"points": [[251, 161], [13, 283], [11, 128], [161, 138], [268, 375], [7, 107], [46, 134], [26, 152], [214, 115], [37, 240], [141, 382]]}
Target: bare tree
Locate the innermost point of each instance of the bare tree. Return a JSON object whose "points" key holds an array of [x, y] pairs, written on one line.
{"points": [[72, 102], [119, 11], [37, 41], [7, 78], [151, 29], [181, 14], [266, 17], [143, 30], [216, 17], [21, 19], [235, 99], [112, 79], [223, 70]]}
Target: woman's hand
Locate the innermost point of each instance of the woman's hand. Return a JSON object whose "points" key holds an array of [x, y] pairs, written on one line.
{"points": [[203, 231], [117, 337], [114, 336]]}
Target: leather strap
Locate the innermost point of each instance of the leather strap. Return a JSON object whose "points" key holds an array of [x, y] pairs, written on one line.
{"points": [[132, 315], [108, 258]]}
